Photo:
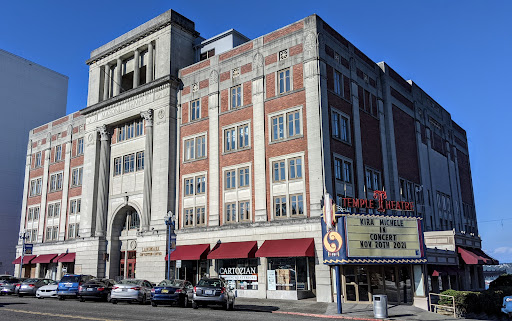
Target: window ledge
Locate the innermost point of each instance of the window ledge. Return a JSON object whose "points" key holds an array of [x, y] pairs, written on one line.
{"points": [[194, 160], [286, 139], [236, 150]]}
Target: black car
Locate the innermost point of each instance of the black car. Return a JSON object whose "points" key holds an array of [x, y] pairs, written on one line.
{"points": [[95, 289], [172, 291], [213, 291]]}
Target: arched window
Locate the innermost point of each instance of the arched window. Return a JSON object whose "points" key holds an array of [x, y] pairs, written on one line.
{"points": [[132, 221]]}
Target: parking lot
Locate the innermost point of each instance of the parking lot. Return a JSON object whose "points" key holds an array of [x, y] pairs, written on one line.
{"points": [[30, 308]]}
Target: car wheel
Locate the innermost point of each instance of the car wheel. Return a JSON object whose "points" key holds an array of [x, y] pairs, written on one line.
{"points": [[20, 295], [194, 305], [61, 298], [114, 301], [225, 306], [185, 301], [143, 301], [232, 306], [108, 297], [153, 304], [40, 297]]}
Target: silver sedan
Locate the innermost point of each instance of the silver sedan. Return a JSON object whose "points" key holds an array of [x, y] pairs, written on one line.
{"points": [[131, 290]]}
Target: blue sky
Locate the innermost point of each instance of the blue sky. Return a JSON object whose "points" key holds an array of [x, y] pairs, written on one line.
{"points": [[458, 51]]}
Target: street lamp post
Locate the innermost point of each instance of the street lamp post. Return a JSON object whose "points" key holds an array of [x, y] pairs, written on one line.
{"points": [[169, 221], [23, 237]]}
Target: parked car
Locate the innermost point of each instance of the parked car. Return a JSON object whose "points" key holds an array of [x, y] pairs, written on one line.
{"points": [[48, 291], [9, 286], [131, 290], [95, 289], [507, 306], [213, 291], [172, 291], [68, 285], [30, 286]]}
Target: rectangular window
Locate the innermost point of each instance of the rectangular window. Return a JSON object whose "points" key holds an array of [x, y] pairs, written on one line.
{"points": [[139, 127], [236, 97], [38, 160], [297, 204], [140, 161], [236, 138], [278, 171], [340, 126], [56, 182], [200, 184], [189, 217], [117, 166], [48, 233], [79, 146], [243, 177], [35, 186], [284, 81], [200, 216], [58, 153], [244, 211], [372, 180], [129, 163], [30, 214], [130, 130], [231, 212], [189, 186], [195, 148], [55, 234], [71, 231], [74, 207], [343, 170], [338, 82], [121, 133], [76, 177], [34, 236], [280, 206], [230, 179], [295, 168], [277, 127], [286, 125], [195, 110], [293, 123]]}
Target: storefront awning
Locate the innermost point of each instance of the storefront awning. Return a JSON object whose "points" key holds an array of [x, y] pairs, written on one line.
{"points": [[444, 270], [69, 257], [44, 258], [26, 259], [234, 250], [287, 248], [475, 256], [190, 252]]}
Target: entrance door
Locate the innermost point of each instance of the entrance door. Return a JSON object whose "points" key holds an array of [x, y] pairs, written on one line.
{"points": [[128, 264]]}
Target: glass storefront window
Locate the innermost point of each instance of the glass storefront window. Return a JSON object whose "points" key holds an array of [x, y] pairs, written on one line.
{"points": [[241, 274], [290, 274]]}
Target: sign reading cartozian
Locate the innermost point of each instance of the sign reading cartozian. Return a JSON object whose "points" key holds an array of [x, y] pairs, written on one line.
{"points": [[374, 236]]}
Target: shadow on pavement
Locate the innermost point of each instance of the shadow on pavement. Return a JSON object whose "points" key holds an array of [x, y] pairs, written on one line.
{"points": [[251, 308], [2, 304]]}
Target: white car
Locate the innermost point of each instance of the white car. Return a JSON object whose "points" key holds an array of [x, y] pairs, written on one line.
{"points": [[47, 291]]}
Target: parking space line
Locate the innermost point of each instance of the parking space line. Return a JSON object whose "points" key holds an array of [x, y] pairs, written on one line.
{"points": [[69, 316]]}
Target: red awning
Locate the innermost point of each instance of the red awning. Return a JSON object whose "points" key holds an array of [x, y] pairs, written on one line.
{"points": [[190, 252], [444, 270], [26, 259], [55, 260], [234, 250], [44, 258], [69, 257], [287, 248], [475, 256]]}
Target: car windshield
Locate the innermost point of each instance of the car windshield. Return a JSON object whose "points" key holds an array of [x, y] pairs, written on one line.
{"points": [[96, 281], [174, 283], [11, 281], [70, 279], [130, 281], [212, 283], [30, 280]]}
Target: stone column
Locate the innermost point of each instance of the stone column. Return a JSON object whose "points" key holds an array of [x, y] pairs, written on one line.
{"points": [[136, 70], [38, 270], [356, 140], [148, 169], [117, 79], [149, 65], [102, 201], [260, 195], [106, 82]]}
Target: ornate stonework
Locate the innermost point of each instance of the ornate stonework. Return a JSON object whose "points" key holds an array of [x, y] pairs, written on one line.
{"points": [[310, 42], [148, 116], [214, 77], [103, 131], [258, 60]]}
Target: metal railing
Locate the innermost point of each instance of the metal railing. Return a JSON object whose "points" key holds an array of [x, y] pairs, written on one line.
{"points": [[442, 308]]}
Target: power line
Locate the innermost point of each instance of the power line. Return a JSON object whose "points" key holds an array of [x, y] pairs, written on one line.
{"points": [[498, 220]]}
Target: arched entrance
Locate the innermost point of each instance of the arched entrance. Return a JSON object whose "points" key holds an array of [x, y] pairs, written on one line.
{"points": [[123, 243]]}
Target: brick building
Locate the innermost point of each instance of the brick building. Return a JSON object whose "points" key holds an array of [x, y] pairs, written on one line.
{"points": [[241, 139]]}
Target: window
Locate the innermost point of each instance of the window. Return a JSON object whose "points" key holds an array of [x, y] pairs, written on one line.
{"points": [[35, 186], [284, 81], [189, 186], [280, 206], [79, 146], [236, 138], [52, 233], [73, 230], [372, 180], [343, 170], [367, 101], [189, 217], [58, 153], [33, 214], [230, 179], [129, 163], [195, 110], [208, 54], [127, 72], [56, 182], [231, 212], [292, 121], [340, 126], [295, 166], [297, 204], [140, 161], [243, 177], [200, 185], [278, 171], [133, 220], [244, 211], [236, 97], [38, 160], [130, 130], [53, 210], [33, 235], [338, 83], [195, 148], [117, 166], [75, 206], [200, 216], [76, 177]]}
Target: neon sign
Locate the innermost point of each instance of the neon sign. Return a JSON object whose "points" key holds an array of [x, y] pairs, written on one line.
{"points": [[379, 203]]}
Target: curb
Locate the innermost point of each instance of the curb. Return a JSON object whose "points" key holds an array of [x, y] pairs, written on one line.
{"points": [[326, 316]]}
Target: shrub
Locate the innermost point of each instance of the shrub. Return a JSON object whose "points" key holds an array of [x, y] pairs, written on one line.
{"points": [[488, 301], [504, 280]]}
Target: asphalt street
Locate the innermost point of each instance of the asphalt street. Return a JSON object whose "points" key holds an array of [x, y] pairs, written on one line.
{"points": [[30, 308]]}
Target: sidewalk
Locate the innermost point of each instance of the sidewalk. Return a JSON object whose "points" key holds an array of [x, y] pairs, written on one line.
{"points": [[321, 310]]}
